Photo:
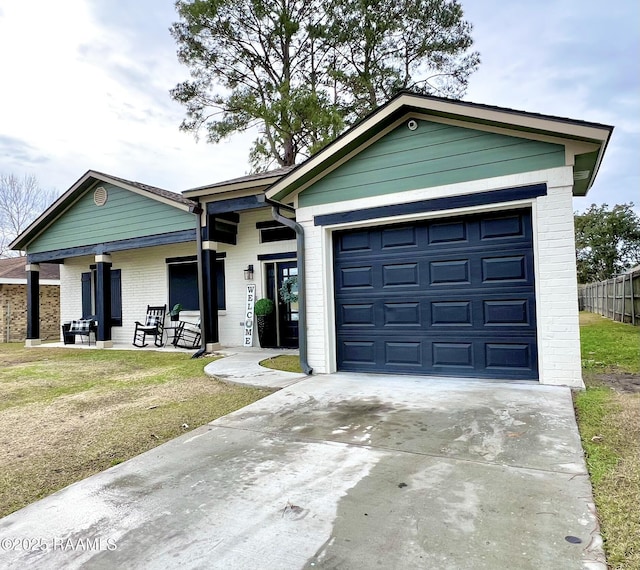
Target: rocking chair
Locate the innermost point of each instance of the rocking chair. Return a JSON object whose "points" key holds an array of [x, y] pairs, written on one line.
{"points": [[187, 335], [153, 326]]}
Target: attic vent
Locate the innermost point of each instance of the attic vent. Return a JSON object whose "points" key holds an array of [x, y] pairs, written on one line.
{"points": [[581, 175], [100, 196]]}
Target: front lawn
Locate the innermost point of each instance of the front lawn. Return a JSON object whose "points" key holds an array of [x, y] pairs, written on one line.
{"points": [[66, 414], [608, 413]]}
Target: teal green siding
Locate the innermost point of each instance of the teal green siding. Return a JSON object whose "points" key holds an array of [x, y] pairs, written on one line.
{"points": [[126, 215], [432, 155]]}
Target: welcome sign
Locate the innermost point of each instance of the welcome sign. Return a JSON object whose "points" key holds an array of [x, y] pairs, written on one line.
{"points": [[248, 317]]}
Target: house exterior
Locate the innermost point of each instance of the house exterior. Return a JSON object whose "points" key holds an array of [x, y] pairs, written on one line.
{"points": [[435, 237], [123, 245], [13, 300]]}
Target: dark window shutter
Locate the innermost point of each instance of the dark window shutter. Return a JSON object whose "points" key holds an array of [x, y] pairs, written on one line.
{"points": [[116, 298], [222, 304], [86, 295]]}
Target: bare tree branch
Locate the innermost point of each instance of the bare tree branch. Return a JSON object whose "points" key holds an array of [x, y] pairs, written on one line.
{"points": [[21, 201]]}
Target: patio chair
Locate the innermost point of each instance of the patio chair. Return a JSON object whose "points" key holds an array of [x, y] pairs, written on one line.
{"points": [[81, 328], [153, 326], [187, 335]]}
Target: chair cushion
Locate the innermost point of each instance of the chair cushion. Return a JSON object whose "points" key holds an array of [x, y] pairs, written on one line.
{"points": [[152, 321], [80, 326]]}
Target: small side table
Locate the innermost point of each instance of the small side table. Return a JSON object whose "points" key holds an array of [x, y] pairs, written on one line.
{"points": [[171, 328]]}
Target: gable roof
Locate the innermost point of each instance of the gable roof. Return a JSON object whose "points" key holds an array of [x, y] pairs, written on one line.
{"points": [[12, 270], [585, 140], [249, 181], [81, 186]]}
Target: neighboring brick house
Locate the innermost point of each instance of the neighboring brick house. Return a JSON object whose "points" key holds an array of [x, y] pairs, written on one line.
{"points": [[13, 300], [434, 237]]}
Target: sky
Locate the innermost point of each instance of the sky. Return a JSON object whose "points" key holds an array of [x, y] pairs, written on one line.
{"points": [[84, 84]]}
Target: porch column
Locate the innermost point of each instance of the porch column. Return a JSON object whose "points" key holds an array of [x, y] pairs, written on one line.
{"points": [[209, 309], [33, 304], [103, 301]]}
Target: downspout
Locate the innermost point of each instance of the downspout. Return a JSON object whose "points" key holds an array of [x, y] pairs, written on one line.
{"points": [[302, 298], [197, 210]]}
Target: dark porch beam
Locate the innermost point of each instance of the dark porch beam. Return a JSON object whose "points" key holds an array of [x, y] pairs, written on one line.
{"points": [[209, 299], [236, 204], [112, 246], [33, 304], [103, 300]]}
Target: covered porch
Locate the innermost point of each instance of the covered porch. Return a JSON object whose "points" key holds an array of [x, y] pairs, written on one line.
{"points": [[123, 246]]}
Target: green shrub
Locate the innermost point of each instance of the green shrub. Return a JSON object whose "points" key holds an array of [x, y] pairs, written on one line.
{"points": [[264, 307]]}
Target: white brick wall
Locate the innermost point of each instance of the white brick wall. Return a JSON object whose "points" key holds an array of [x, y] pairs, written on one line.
{"points": [[557, 308], [556, 288], [145, 279]]}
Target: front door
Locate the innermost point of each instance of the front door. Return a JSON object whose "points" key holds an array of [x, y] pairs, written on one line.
{"points": [[286, 312]]}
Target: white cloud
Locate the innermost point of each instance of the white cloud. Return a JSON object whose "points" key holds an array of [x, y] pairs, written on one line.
{"points": [[86, 96], [86, 82]]}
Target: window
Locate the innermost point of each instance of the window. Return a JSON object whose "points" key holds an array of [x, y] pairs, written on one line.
{"points": [[183, 284], [274, 231], [88, 281]]}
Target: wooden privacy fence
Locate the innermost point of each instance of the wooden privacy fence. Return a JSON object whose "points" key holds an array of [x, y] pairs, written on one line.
{"points": [[617, 298]]}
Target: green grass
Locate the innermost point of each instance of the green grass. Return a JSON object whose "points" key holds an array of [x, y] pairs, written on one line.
{"points": [[285, 362], [66, 414], [608, 345], [609, 424], [595, 406], [43, 374]]}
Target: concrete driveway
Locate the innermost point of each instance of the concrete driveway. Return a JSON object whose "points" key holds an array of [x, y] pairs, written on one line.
{"points": [[347, 471]]}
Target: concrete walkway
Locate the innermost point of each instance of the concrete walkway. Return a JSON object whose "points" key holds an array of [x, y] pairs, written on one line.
{"points": [[344, 471], [241, 366]]}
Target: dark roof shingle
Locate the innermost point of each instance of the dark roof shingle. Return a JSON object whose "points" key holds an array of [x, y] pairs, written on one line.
{"points": [[13, 268]]}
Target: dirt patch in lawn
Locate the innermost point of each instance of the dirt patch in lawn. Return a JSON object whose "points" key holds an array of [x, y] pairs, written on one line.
{"points": [[65, 417], [624, 383], [84, 417]]}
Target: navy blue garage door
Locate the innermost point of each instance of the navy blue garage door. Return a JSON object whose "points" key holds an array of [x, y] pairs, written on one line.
{"points": [[452, 297]]}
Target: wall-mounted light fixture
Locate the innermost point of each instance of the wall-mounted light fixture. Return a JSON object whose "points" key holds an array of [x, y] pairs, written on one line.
{"points": [[248, 273]]}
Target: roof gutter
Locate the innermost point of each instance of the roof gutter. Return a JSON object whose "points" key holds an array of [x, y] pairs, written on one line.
{"points": [[302, 297]]}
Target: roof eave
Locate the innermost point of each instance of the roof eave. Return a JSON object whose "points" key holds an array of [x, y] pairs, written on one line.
{"points": [[223, 188]]}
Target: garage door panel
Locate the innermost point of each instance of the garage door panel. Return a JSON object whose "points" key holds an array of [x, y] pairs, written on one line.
{"points": [[512, 268], [358, 352], [403, 354], [394, 275], [447, 233], [452, 354], [404, 237], [513, 312], [508, 356], [449, 272], [356, 277], [512, 358], [401, 314], [452, 296], [451, 313], [447, 309], [356, 241], [357, 315], [492, 228]]}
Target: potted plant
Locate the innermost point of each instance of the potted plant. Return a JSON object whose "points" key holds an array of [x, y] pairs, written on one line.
{"points": [[265, 312], [174, 313]]}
